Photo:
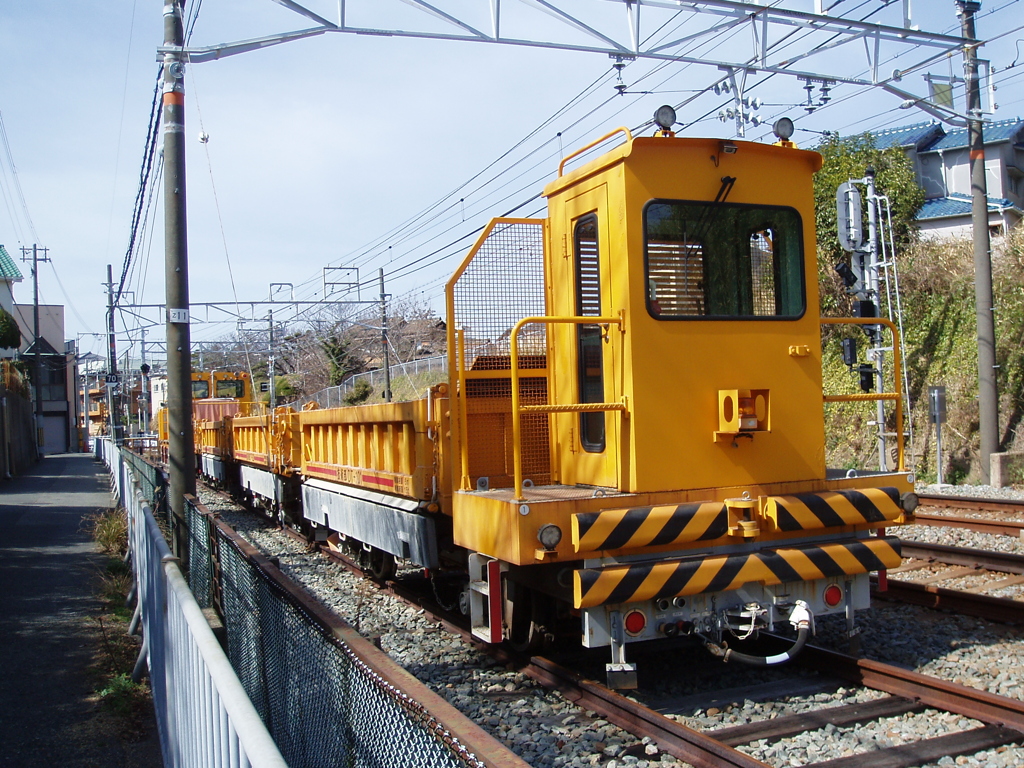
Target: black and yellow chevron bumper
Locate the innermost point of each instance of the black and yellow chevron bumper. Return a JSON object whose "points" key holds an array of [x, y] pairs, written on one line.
{"points": [[676, 524], [649, 526], [649, 581], [811, 511]]}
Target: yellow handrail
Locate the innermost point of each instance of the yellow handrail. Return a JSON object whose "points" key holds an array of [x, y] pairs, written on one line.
{"points": [[896, 396], [463, 431], [591, 145], [517, 457]]}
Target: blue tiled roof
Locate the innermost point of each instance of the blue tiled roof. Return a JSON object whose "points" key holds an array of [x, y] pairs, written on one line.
{"points": [[916, 135], [8, 269], [957, 204], [1001, 130], [932, 136]]}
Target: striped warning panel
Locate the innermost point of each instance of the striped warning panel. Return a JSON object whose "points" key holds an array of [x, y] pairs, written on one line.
{"points": [[650, 581], [810, 511], [649, 526]]}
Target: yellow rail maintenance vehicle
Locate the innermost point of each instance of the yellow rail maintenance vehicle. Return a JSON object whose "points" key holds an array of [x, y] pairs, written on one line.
{"points": [[637, 413], [217, 396], [631, 440]]}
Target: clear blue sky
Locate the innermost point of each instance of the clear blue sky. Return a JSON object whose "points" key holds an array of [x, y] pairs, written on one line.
{"points": [[319, 148]]}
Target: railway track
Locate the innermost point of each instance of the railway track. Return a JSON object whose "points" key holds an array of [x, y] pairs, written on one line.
{"points": [[1000, 720], [964, 580], [975, 572], [997, 523]]}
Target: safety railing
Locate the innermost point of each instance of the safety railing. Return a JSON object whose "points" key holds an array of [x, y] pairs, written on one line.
{"points": [[518, 410], [204, 716], [896, 397], [315, 692]]}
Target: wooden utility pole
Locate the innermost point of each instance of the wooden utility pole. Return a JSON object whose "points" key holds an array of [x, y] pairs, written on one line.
{"points": [[988, 392], [181, 447]]}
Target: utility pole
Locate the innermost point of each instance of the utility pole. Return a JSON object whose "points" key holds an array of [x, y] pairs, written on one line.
{"points": [[112, 412], [37, 359], [272, 365], [988, 393], [181, 447], [144, 389], [384, 338]]}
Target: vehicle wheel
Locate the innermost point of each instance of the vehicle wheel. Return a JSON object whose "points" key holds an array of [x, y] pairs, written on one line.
{"points": [[380, 564]]}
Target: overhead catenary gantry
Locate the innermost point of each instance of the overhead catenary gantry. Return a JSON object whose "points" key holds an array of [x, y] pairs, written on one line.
{"points": [[622, 29]]}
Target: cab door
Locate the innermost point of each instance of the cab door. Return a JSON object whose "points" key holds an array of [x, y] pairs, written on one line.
{"points": [[593, 372]]}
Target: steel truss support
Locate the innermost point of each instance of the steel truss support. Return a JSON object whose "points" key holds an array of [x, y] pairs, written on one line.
{"points": [[615, 28]]}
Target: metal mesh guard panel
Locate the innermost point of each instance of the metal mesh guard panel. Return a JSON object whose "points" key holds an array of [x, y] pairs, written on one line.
{"points": [[501, 285], [320, 702]]}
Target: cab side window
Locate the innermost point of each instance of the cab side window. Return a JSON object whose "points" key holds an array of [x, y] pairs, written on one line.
{"points": [[589, 350]]}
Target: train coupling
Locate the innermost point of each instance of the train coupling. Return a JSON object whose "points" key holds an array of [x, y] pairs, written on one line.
{"points": [[746, 621]]}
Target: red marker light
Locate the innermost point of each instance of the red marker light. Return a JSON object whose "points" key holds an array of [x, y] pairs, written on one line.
{"points": [[833, 595], [635, 622]]}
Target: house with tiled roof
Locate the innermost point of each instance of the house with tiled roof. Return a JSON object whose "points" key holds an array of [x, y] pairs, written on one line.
{"points": [[9, 275], [941, 161]]}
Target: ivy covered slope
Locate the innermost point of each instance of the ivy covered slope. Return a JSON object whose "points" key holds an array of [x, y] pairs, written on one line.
{"points": [[940, 331]]}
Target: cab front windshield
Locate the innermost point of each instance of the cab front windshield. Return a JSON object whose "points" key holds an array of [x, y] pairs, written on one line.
{"points": [[723, 260]]}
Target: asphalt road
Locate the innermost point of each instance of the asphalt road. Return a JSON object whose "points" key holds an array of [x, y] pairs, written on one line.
{"points": [[49, 714]]}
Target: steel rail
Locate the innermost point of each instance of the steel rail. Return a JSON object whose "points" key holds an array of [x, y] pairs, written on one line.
{"points": [[698, 749], [1005, 717], [941, 694], [979, 524], [1003, 562], [969, 502], [999, 609], [487, 748]]}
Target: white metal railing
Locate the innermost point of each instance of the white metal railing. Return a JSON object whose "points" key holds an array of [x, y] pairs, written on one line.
{"points": [[204, 717], [334, 397]]}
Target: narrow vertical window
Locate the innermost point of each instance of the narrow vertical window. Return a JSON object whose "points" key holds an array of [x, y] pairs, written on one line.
{"points": [[589, 351]]}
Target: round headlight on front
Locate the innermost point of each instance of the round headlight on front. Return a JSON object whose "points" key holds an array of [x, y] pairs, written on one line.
{"points": [[549, 535]]}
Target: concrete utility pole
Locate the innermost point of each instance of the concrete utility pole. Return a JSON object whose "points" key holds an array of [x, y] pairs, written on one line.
{"points": [[272, 365], [116, 430], [988, 393], [144, 389], [181, 447], [37, 360]]}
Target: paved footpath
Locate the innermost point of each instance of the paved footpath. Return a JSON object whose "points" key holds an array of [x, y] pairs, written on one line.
{"points": [[49, 715]]}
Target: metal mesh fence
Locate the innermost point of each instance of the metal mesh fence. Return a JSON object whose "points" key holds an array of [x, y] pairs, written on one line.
{"points": [[200, 556], [322, 704], [152, 482]]}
